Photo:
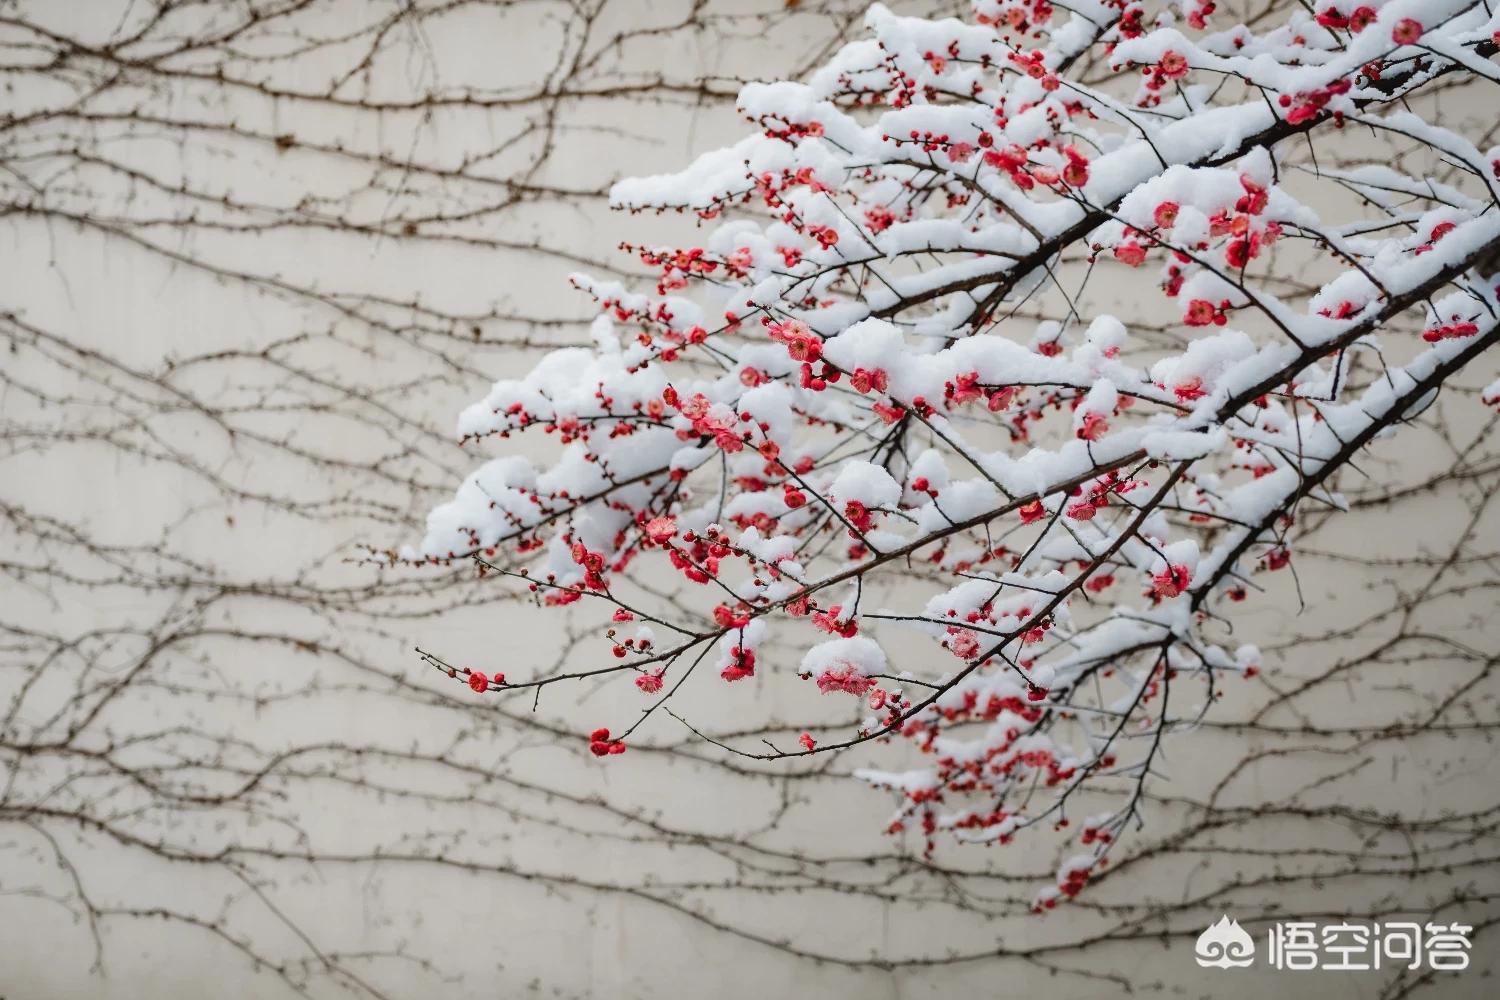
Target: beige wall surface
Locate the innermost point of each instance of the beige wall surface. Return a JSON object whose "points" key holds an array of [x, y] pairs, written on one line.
{"points": [[251, 269]]}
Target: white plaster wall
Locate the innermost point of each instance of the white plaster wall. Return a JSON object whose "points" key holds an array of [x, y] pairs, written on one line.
{"points": [[529, 894]]}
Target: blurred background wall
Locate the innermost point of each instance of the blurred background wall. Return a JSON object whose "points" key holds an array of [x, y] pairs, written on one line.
{"points": [[254, 258]]}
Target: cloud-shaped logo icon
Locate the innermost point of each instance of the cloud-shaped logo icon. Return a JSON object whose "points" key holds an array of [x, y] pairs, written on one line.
{"points": [[1225, 945]]}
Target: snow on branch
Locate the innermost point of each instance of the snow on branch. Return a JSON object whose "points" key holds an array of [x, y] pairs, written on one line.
{"points": [[873, 415]]}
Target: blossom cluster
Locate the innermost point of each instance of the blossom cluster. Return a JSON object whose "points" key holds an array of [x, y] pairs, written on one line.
{"points": [[827, 419]]}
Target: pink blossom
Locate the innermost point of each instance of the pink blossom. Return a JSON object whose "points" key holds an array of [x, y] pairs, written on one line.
{"points": [[1407, 31], [846, 679], [661, 529], [964, 644], [1131, 253], [1171, 582]]}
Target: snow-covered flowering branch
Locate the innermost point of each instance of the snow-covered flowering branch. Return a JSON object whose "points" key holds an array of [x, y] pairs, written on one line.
{"points": [[875, 414]]}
